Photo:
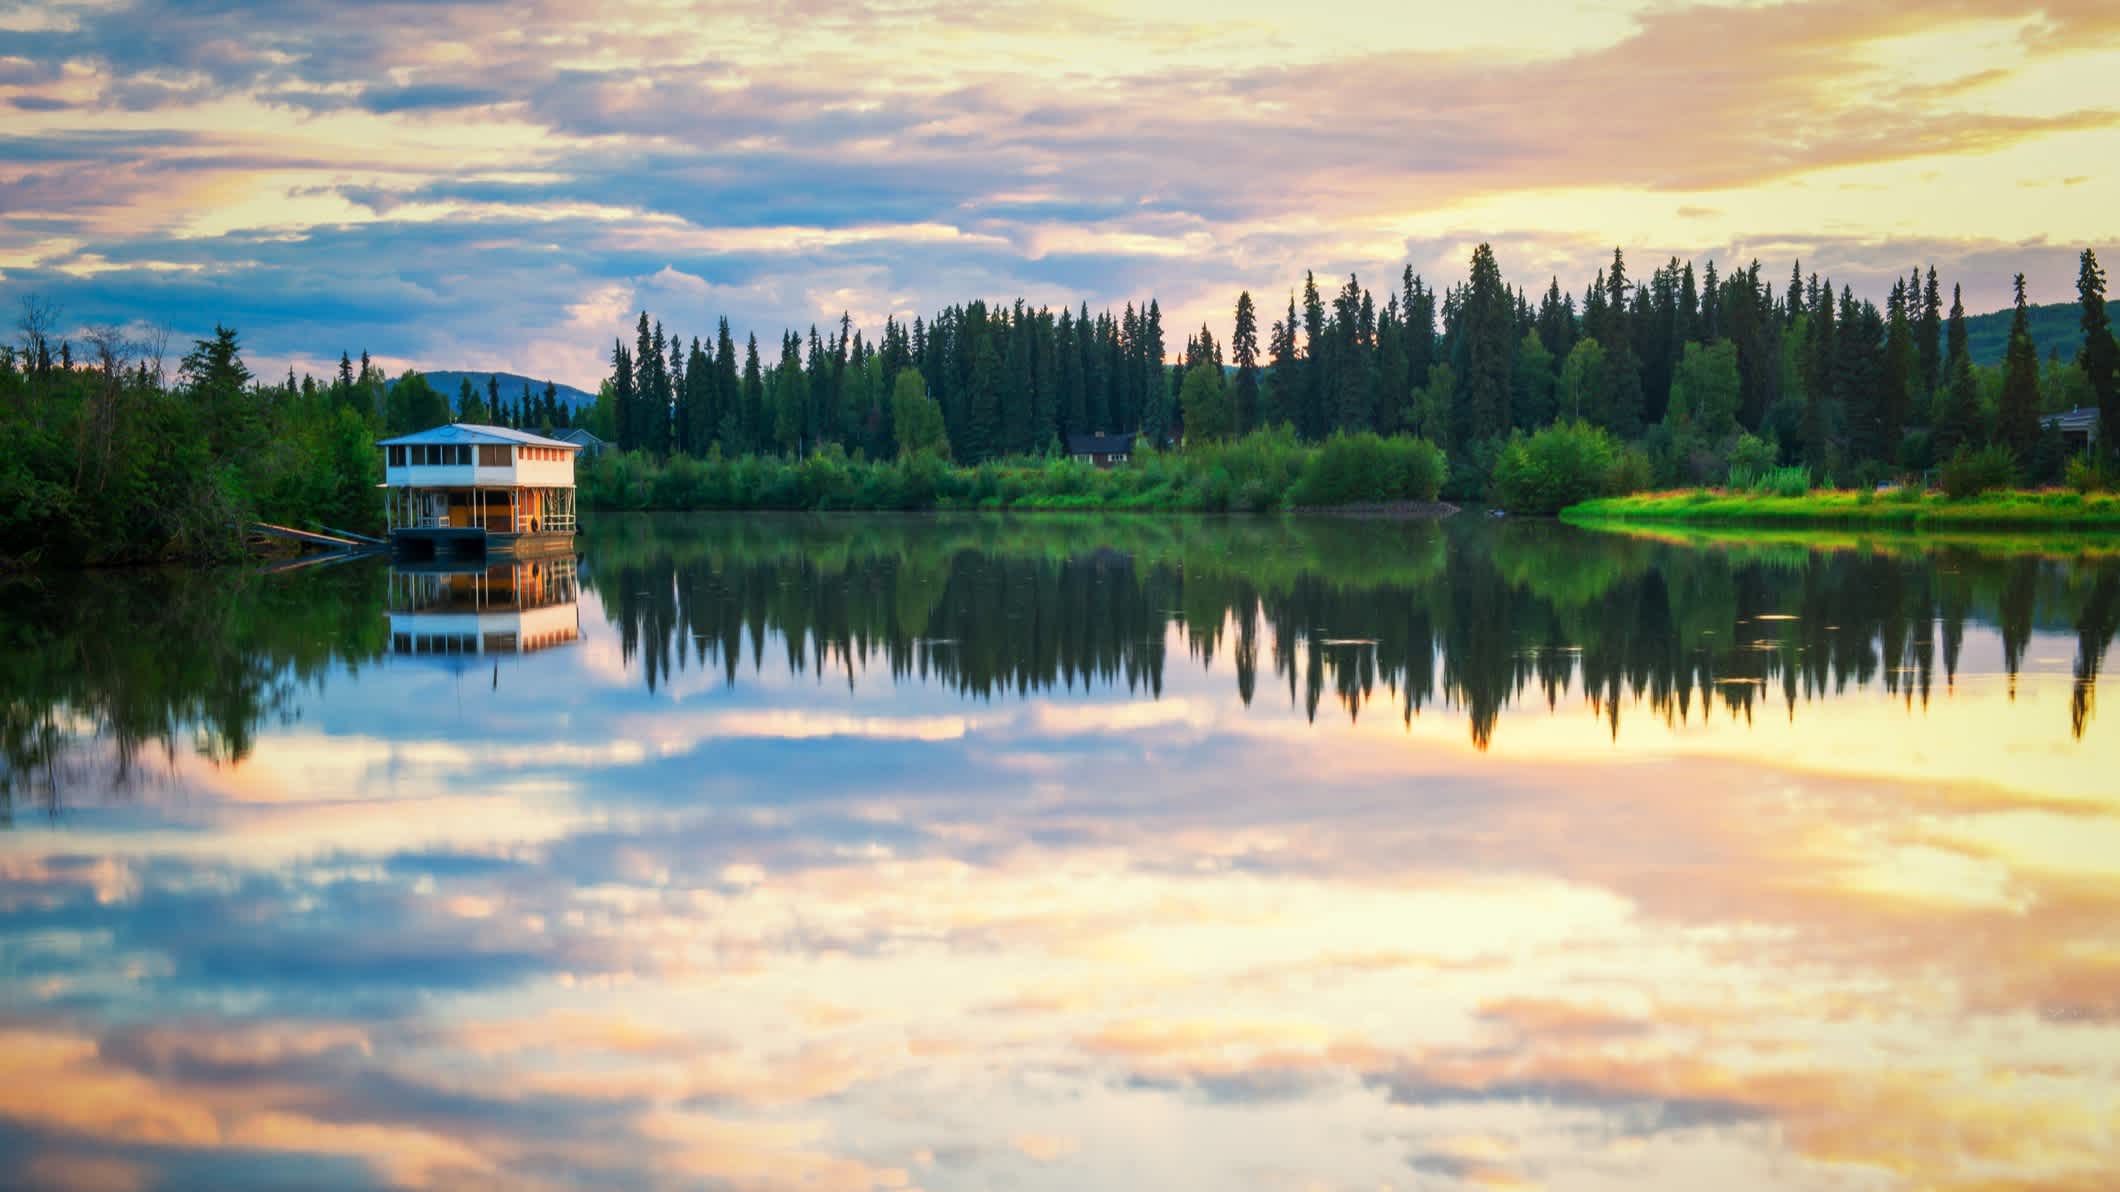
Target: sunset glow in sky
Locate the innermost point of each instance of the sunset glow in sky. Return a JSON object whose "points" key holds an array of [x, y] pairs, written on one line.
{"points": [[476, 185]]}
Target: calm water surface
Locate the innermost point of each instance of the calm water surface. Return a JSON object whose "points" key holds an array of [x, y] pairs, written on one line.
{"points": [[838, 853]]}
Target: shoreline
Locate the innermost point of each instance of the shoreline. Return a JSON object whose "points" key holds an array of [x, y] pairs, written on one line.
{"points": [[2014, 509]]}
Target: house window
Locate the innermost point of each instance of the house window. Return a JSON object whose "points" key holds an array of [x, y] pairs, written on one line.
{"points": [[397, 457], [492, 455]]}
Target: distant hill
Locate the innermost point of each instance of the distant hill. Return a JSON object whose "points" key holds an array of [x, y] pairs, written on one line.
{"points": [[447, 381], [2056, 331]]}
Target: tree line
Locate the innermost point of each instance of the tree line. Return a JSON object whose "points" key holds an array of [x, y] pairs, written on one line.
{"points": [[1683, 363], [115, 457]]}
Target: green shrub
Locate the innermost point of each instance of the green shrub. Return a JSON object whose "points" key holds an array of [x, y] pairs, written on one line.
{"points": [[2088, 474], [1558, 466], [1632, 471], [1970, 472], [1753, 457], [1365, 468], [1785, 482]]}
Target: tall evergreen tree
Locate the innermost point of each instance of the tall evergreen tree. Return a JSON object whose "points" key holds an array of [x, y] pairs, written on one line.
{"points": [[1417, 317], [1900, 363], [752, 415], [1488, 326], [1244, 352], [2017, 414], [1929, 336], [1313, 419], [1958, 410], [2099, 357], [1156, 415], [623, 398], [1711, 325], [1625, 386]]}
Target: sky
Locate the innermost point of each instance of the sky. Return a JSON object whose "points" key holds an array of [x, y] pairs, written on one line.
{"points": [[472, 185]]}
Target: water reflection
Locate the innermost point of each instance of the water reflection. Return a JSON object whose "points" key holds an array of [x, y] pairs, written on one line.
{"points": [[487, 610], [1466, 614], [838, 853]]}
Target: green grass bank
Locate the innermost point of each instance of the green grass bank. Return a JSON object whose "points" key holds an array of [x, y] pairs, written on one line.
{"points": [[1897, 509]]}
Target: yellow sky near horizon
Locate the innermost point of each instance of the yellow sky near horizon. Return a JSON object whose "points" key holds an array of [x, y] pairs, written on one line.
{"points": [[469, 188]]}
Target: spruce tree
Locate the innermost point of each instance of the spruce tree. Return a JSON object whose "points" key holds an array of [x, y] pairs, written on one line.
{"points": [[1488, 325], [752, 412], [1958, 410], [1282, 380], [2017, 416], [1155, 384], [2099, 357], [1068, 375], [1900, 363], [1417, 315], [1625, 387], [731, 427], [1311, 420], [1929, 336], [1244, 351], [623, 400]]}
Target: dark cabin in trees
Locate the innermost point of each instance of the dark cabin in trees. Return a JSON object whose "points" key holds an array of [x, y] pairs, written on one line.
{"points": [[2078, 427], [591, 445], [1105, 451]]}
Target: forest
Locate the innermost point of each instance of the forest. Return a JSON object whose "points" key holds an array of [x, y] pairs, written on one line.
{"points": [[1661, 382], [1679, 379]]}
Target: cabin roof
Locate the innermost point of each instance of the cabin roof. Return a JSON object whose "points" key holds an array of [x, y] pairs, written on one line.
{"points": [[472, 432], [2080, 418], [1099, 444], [579, 436]]}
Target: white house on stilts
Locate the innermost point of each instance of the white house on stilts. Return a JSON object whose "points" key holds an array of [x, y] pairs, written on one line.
{"points": [[464, 491]]}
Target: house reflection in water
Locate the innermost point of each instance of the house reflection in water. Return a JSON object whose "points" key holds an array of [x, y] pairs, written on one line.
{"points": [[517, 607]]}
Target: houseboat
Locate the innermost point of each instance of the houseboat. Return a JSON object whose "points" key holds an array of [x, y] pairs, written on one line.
{"points": [[464, 491], [520, 606]]}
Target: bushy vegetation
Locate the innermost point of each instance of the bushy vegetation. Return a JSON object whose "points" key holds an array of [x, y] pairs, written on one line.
{"points": [[1559, 466], [2088, 474], [1261, 471], [107, 461], [1974, 470], [1791, 481], [1907, 508]]}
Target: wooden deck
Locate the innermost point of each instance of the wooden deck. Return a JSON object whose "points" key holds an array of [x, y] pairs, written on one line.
{"points": [[425, 543]]}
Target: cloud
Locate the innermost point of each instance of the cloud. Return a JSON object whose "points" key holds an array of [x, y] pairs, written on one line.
{"points": [[1108, 159]]}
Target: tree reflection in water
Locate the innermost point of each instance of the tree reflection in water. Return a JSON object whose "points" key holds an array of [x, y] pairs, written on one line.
{"points": [[1464, 614], [101, 671]]}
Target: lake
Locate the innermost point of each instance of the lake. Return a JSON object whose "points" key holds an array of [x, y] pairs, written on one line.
{"points": [[1057, 853]]}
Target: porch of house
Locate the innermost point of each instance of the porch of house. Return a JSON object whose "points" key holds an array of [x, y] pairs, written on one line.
{"points": [[474, 522]]}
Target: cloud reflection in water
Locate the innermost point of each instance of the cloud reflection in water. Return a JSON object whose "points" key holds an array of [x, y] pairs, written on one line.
{"points": [[1061, 907]]}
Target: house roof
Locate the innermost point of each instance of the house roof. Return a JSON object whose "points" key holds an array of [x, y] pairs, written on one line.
{"points": [[576, 434], [1099, 444], [2080, 418], [472, 432]]}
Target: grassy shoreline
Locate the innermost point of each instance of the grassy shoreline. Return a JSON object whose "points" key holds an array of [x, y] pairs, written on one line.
{"points": [[2048, 509]]}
